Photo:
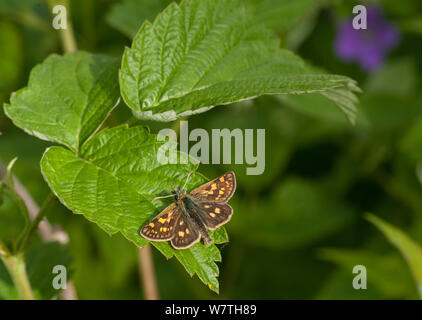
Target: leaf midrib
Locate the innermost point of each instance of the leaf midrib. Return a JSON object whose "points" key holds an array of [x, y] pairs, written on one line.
{"points": [[341, 83]]}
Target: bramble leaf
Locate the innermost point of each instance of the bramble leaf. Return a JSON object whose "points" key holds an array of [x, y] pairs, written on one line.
{"points": [[112, 183], [207, 53], [67, 98], [411, 251]]}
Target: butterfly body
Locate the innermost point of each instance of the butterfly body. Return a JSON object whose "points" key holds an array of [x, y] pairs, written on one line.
{"points": [[192, 214], [188, 205]]}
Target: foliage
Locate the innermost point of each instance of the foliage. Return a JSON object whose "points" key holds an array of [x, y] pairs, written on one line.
{"points": [[169, 72], [411, 251], [72, 103], [41, 259], [321, 172]]}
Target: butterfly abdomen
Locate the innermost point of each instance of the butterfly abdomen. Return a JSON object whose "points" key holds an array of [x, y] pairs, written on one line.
{"points": [[192, 211]]}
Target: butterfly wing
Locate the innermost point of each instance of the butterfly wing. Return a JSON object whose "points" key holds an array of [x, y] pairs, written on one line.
{"points": [[162, 227], [214, 214], [220, 189], [185, 235]]}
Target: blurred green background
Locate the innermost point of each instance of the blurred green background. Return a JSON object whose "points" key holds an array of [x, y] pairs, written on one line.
{"points": [[298, 229]]}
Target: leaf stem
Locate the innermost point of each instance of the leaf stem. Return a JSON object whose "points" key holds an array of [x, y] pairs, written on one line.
{"points": [[34, 225], [17, 270], [146, 269]]}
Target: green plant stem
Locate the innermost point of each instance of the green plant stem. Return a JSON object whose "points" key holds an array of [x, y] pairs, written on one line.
{"points": [[68, 38], [3, 250], [34, 225], [147, 272], [17, 270]]}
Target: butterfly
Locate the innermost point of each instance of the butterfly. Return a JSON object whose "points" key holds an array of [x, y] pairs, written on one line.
{"points": [[192, 214]]}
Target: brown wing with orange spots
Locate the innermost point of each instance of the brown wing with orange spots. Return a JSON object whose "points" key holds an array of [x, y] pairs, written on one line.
{"points": [[162, 227], [217, 190], [185, 235], [214, 214]]}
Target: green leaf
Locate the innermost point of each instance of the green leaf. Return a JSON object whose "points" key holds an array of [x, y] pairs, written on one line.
{"points": [[206, 53], [295, 18], [12, 223], [411, 251], [129, 15], [112, 183], [67, 98]]}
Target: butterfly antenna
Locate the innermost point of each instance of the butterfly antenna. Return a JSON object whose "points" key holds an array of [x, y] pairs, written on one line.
{"points": [[156, 198], [187, 179]]}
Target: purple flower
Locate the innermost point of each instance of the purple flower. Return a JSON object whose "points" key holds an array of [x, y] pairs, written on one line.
{"points": [[368, 47]]}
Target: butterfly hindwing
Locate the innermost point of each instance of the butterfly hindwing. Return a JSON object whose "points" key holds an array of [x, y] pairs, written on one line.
{"points": [[214, 214], [219, 190], [185, 234], [162, 227]]}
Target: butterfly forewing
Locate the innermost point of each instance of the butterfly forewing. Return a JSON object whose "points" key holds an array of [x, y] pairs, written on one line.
{"points": [[217, 190], [214, 214], [162, 227], [185, 234]]}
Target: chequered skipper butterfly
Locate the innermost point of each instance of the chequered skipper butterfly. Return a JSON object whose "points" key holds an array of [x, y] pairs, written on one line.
{"points": [[188, 218]]}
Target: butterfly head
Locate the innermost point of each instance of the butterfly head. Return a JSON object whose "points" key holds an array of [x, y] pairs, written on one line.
{"points": [[178, 193]]}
